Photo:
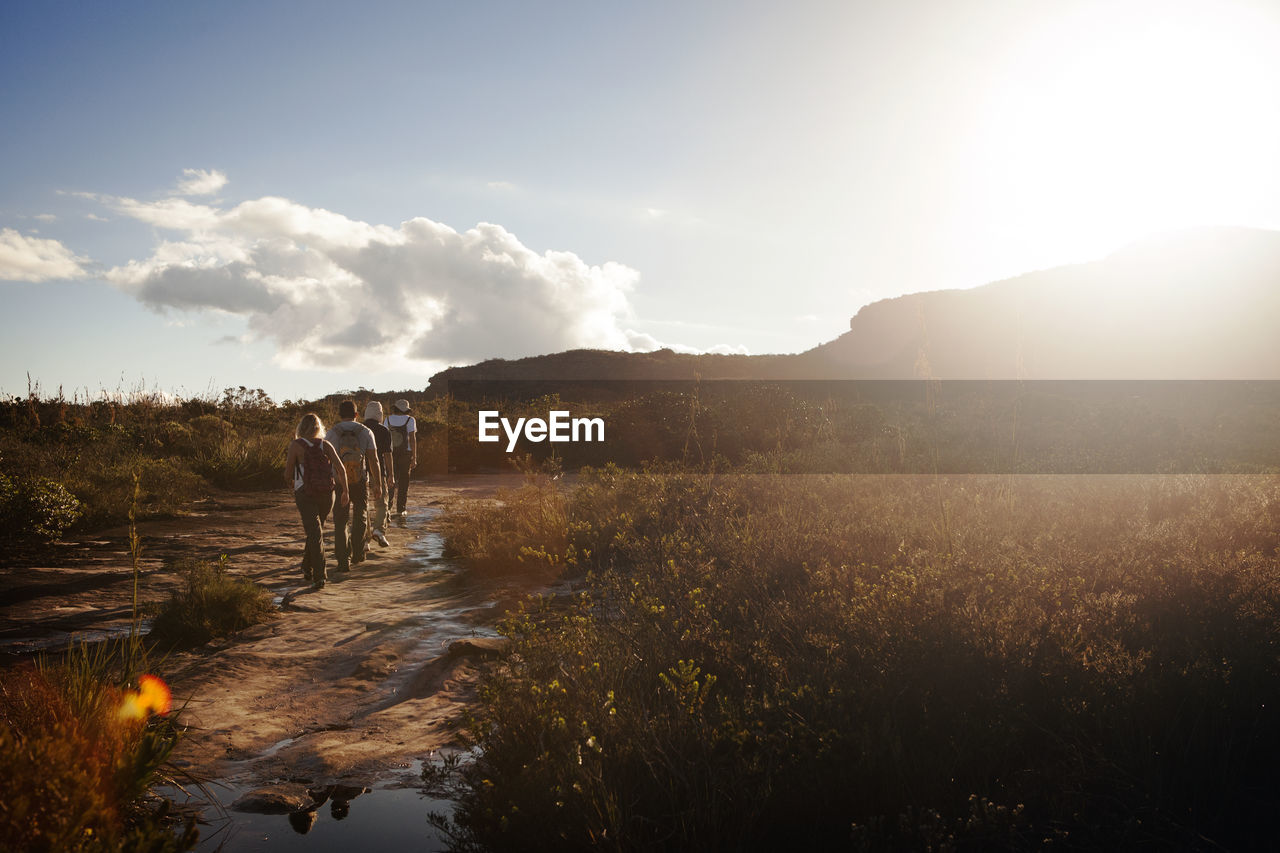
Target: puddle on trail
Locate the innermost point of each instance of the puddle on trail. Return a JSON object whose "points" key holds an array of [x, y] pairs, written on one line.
{"points": [[386, 817]]}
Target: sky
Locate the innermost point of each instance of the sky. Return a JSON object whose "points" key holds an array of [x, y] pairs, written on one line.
{"points": [[313, 197]]}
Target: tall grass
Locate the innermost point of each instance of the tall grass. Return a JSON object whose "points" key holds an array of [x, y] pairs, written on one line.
{"points": [[766, 661]]}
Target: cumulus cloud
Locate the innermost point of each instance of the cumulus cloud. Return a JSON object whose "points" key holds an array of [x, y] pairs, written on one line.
{"points": [[24, 258], [330, 291], [200, 182]]}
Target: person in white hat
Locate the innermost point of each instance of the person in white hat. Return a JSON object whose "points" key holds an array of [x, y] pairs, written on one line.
{"points": [[404, 450], [382, 438]]}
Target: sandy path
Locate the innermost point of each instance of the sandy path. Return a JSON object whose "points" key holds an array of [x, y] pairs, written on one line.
{"points": [[350, 683]]}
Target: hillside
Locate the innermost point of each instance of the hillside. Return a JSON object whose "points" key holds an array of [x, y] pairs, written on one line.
{"points": [[1199, 304]]}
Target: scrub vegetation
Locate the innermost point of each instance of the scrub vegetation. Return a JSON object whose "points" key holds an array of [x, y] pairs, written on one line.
{"points": [[882, 663], [69, 464]]}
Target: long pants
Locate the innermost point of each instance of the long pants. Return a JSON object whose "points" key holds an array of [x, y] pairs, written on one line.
{"points": [[313, 511], [401, 461], [380, 512], [349, 549]]}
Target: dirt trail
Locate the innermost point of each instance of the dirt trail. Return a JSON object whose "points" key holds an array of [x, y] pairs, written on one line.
{"points": [[350, 683]]}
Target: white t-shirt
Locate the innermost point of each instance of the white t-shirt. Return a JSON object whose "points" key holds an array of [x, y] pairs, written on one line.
{"points": [[399, 421]]}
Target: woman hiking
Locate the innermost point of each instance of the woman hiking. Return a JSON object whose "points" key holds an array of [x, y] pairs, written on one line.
{"points": [[313, 469]]}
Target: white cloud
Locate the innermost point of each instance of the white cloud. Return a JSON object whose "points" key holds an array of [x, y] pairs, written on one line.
{"points": [[96, 218], [174, 213], [36, 259], [45, 217], [200, 182], [501, 186], [332, 291]]}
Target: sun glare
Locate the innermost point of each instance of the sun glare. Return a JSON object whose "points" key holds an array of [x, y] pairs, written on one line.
{"points": [[1115, 121]]}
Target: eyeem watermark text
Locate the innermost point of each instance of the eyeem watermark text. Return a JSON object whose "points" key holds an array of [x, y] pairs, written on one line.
{"points": [[559, 426]]}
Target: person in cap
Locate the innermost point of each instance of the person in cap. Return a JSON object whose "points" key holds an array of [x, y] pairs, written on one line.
{"points": [[404, 450], [382, 440], [359, 454]]}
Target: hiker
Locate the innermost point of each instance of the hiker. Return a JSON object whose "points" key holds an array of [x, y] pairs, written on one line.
{"points": [[404, 450], [358, 451], [382, 439], [312, 467]]}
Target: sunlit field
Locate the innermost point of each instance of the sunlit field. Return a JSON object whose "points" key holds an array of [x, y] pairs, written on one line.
{"points": [[907, 663]]}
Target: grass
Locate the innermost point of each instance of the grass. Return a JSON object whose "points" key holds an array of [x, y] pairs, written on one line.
{"points": [[523, 529], [212, 602], [75, 769], [889, 663]]}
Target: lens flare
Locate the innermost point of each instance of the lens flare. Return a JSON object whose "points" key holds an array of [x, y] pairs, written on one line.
{"points": [[151, 697]]}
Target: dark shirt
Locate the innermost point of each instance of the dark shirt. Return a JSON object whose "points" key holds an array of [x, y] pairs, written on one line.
{"points": [[382, 438]]}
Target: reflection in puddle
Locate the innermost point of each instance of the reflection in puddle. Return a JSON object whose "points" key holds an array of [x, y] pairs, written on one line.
{"points": [[338, 797], [340, 818]]}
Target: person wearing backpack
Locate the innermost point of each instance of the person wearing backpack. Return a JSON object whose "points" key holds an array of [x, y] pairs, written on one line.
{"points": [[357, 449], [314, 470], [382, 437], [404, 450]]}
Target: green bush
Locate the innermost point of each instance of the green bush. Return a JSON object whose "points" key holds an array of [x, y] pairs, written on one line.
{"points": [[36, 508], [211, 603]]}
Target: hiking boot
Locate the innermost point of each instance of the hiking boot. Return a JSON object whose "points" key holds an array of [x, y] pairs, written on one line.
{"points": [[381, 538]]}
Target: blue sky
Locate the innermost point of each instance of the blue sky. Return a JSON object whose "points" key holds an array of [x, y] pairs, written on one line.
{"points": [[375, 191]]}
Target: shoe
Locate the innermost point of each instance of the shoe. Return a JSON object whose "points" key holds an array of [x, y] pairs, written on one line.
{"points": [[317, 585], [343, 569], [381, 538], [402, 514]]}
